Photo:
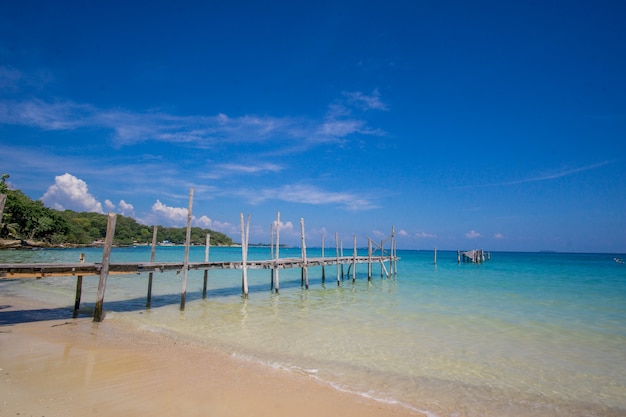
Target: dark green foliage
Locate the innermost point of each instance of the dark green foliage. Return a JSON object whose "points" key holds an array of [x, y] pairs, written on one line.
{"points": [[28, 219], [198, 236]]}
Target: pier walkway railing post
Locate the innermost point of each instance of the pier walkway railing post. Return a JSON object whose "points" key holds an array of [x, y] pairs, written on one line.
{"points": [[337, 255], [183, 293], [305, 271], [244, 256], [207, 247], [272, 269], [323, 270], [276, 279], [79, 288], [354, 261], [98, 315], [155, 230]]}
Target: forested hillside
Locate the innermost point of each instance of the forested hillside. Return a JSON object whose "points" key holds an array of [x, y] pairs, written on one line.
{"points": [[26, 219]]}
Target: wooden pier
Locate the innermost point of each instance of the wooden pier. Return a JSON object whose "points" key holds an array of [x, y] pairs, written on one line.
{"points": [[105, 268], [474, 256]]}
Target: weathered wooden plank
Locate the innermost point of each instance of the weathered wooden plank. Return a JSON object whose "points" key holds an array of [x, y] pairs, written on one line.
{"points": [[42, 270]]}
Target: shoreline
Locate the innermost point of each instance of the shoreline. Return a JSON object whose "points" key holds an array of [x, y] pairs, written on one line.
{"points": [[74, 367]]}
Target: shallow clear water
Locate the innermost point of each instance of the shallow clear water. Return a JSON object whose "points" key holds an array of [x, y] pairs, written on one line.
{"points": [[523, 334]]}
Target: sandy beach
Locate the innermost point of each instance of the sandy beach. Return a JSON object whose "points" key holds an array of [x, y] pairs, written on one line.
{"points": [[53, 366]]}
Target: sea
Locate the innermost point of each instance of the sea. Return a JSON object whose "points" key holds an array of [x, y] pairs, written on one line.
{"points": [[521, 334]]}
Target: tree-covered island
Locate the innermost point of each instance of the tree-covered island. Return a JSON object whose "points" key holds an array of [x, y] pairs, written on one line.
{"points": [[28, 223]]}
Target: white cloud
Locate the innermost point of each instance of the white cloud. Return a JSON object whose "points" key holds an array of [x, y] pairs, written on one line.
{"points": [[286, 229], [379, 234], [425, 235], [109, 205], [71, 193], [472, 234], [204, 222], [498, 236], [403, 232], [126, 209], [168, 216]]}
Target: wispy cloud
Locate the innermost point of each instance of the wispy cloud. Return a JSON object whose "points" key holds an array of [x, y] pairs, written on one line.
{"points": [[225, 170], [131, 127], [472, 234], [557, 174], [364, 101], [306, 194], [544, 176]]}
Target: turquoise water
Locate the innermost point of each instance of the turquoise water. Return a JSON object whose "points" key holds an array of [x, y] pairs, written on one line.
{"points": [[524, 334]]}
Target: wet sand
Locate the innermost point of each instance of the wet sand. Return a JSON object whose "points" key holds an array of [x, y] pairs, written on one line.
{"points": [[51, 366]]}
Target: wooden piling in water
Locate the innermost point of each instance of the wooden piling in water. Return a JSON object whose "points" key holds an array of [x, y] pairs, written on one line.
{"points": [[354, 261], [337, 256], [79, 288], [305, 271], [369, 259], [183, 293], [341, 254], [98, 315], [244, 256], [323, 270], [272, 256], [276, 279], [150, 275], [435, 256], [207, 246]]}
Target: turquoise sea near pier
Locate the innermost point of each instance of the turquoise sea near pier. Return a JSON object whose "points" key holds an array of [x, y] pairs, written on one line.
{"points": [[523, 334]]}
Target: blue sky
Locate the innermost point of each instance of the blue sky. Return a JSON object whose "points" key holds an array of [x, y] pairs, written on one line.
{"points": [[490, 124]]}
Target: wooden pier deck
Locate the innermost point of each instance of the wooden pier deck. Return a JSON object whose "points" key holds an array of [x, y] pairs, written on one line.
{"points": [[43, 270], [275, 263]]}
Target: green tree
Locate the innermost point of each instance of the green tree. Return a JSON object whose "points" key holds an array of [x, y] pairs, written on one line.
{"points": [[29, 219]]}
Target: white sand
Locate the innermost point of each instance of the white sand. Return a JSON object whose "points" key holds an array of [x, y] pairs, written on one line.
{"points": [[78, 368]]}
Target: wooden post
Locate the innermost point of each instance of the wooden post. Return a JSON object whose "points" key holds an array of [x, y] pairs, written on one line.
{"points": [[207, 246], [323, 270], [354, 261], [382, 254], [337, 255], [155, 230], [272, 256], [341, 254], [79, 288], [183, 293], [435, 260], [458, 257], [98, 315], [244, 256], [276, 280], [393, 233], [305, 271], [369, 259]]}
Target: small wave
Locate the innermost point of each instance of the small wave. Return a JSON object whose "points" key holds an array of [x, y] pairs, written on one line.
{"points": [[314, 374]]}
